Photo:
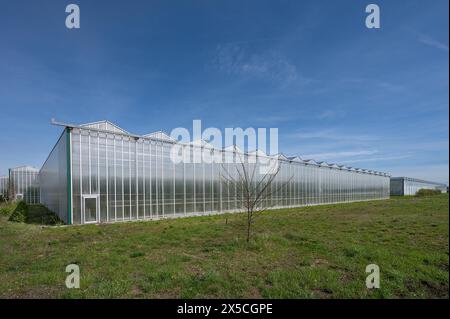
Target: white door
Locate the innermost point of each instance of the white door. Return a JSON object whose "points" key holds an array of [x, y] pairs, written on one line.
{"points": [[90, 208]]}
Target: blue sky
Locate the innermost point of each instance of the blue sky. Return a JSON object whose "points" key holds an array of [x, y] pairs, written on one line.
{"points": [[336, 90]]}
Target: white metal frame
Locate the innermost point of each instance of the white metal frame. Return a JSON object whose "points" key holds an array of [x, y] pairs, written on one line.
{"points": [[97, 208]]}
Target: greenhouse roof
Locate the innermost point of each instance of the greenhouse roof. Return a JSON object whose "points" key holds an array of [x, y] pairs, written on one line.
{"points": [[412, 179], [258, 153], [202, 143], [295, 159], [160, 135], [107, 126], [25, 167], [310, 161]]}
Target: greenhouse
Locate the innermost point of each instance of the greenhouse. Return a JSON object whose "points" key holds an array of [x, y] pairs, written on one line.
{"points": [[409, 186], [24, 184], [4, 186], [99, 172]]}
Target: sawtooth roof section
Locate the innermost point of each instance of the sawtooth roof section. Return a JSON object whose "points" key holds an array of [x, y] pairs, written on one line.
{"points": [[105, 126], [281, 156], [202, 143], [233, 148], [25, 168], [257, 153], [311, 162], [161, 135]]}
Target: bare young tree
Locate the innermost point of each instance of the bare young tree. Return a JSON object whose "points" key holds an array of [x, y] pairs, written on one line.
{"points": [[253, 183]]}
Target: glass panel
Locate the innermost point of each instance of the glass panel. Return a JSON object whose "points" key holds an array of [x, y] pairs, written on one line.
{"points": [[90, 209]]}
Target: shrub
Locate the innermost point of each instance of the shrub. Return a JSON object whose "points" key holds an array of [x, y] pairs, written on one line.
{"points": [[39, 214], [20, 213], [7, 209], [427, 192], [22, 206]]}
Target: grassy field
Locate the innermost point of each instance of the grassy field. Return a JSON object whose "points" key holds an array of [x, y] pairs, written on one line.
{"points": [[311, 252]]}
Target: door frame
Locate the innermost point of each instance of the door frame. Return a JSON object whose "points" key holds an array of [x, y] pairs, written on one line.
{"points": [[97, 204]]}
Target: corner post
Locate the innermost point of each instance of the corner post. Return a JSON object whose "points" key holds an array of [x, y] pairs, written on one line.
{"points": [[69, 174]]}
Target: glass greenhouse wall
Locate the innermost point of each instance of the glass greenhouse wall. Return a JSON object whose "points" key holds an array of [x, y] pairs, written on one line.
{"points": [[115, 176], [53, 178], [24, 184], [4, 182], [410, 186]]}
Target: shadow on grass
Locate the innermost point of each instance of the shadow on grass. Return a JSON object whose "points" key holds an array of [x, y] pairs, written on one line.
{"points": [[40, 215], [35, 214]]}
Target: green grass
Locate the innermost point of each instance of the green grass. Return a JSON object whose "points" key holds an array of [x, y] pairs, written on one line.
{"points": [[30, 214], [311, 252]]}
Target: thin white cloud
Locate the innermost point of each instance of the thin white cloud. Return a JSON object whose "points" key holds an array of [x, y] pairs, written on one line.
{"points": [[342, 154], [427, 40], [333, 135], [382, 84], [378, 159], [272, 66], [329, 114], [271, 119]]}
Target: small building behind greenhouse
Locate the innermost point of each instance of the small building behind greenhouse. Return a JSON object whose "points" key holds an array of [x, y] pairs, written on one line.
{"points": [[23, 184], [4, 182], [98, 172], [404, 186]]}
